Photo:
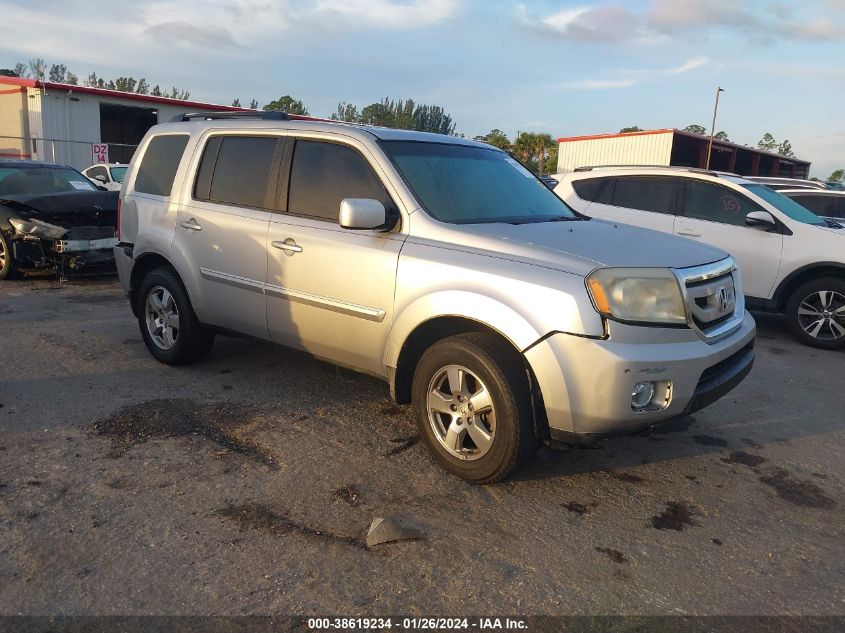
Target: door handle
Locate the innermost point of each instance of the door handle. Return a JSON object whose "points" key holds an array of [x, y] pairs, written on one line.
{"points": [[689, 233], [289, 246], [191, 225]]}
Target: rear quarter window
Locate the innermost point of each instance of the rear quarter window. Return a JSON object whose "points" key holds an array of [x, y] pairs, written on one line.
{"points": [[159, 164], [588, 189]]}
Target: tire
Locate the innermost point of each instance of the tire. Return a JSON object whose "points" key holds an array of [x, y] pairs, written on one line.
{"points": [[816, 313], [6, 270], [179, 341], [490, 437]]}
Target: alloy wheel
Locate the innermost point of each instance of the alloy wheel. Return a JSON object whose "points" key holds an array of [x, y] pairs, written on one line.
{"points": [[822, 315], [162, 317], [2, 254], [461, 412]]}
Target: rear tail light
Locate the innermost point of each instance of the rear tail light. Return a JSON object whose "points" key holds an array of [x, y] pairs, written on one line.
{"points": [[118, 219]]}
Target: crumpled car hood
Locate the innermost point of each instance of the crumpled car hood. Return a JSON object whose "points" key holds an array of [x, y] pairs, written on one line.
{"points": [[76, 208]]}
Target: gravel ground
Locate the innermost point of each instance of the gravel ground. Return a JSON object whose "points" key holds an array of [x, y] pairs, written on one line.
{"points": [[246, 485]]}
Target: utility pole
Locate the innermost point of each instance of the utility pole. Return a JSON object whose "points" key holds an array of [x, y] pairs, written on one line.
{"points": [[713, 128]]}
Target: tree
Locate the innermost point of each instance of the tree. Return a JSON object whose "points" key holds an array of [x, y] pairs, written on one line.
{"points": [[523, 149], [721, 136], [7, 72], [236, 103], [837, 176], [785, 149], [143, 88], [125, 84], [58, 72], [38, 68], [377, 114], [253, 105], [71, 79], [633, 128], [287, 104], [496, 138], [21, 70], [156, 91], [542, 144], [345, 112], [767, 143], [696, 129]]}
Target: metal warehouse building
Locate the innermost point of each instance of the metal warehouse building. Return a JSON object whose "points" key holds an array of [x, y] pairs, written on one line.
{"points": [[61, 123], [671, 147]]}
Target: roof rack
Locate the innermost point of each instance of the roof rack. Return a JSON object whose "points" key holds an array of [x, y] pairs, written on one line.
{"points": [[696, 170], [265, 115]]}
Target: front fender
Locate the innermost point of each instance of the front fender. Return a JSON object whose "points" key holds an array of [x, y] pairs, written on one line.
{"points": [[458, 303]]}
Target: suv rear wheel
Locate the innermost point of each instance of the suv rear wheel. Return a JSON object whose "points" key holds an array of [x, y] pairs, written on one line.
{"points": [[816, 313], [168, 324], [473, 407]]}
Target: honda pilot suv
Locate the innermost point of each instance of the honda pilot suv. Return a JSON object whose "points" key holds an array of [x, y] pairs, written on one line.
{"points": [[792, 261], [435, 263]]}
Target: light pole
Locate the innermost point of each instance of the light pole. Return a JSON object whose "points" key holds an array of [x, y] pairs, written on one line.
{"points": [[713, 128]]}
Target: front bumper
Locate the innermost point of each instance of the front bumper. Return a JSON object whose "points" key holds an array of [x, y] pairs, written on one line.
{"points": [[587, 383], [65, 255]]}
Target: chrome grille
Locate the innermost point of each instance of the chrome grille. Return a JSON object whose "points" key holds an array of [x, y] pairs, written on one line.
{"points": [[714, 301]]}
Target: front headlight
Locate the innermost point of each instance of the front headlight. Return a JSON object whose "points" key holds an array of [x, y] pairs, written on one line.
{"points": [[38, 228], [646, 295]]}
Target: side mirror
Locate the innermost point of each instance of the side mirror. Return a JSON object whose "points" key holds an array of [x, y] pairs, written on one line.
{"points": [[101, 178], [760, 220], [362, 214]]}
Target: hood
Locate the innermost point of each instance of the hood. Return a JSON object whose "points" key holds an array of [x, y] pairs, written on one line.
{"points": [[68, 209], [581, 246]]}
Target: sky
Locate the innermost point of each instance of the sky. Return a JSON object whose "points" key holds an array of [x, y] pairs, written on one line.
{"points": [[567, 68]]}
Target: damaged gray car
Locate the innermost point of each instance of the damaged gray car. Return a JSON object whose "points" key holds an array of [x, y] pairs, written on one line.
{"points": [[54, 218]]}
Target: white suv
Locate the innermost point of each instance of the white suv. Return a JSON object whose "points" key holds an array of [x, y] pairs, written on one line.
{"points": [[791, 260]]}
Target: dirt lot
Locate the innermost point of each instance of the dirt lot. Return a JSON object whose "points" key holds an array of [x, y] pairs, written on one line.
{"points": [[246, 484]]}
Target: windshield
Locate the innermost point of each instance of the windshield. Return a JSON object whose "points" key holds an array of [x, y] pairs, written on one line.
{"points": [[788, 207], [461, 184], [118, 173], [39, 179]]}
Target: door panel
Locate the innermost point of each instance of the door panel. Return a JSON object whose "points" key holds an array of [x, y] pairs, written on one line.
{"points": [[715, 214], [227, 245], [330, 290]]}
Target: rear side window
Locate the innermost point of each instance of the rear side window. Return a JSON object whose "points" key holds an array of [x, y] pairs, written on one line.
{"points": [[817, 204], [159, 165], [645, 193], [323, 174], [708, 201], [238, 170], [589, 188]]}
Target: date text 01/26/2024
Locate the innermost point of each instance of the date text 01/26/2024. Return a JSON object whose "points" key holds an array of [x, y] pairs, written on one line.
{"points": [[416, 624]]}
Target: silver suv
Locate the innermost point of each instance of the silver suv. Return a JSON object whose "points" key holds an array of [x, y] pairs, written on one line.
{"points": [[436, 263]]}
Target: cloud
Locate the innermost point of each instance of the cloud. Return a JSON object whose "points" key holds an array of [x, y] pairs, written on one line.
{"points": [[769, 22], [379, 14], [184, 34], [757, 23], [600, 84], [586, 24], [692, 64], [627, 78]]}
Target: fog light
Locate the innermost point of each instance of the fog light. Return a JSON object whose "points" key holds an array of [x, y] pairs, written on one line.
{"points": [[642, 395]]}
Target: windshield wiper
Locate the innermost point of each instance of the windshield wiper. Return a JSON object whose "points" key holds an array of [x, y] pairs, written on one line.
{"points": [[564, 218]]}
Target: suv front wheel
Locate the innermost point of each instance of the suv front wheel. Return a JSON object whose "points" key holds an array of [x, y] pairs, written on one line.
{"points": [[816, 313], [168, 324], [473, 407]]}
